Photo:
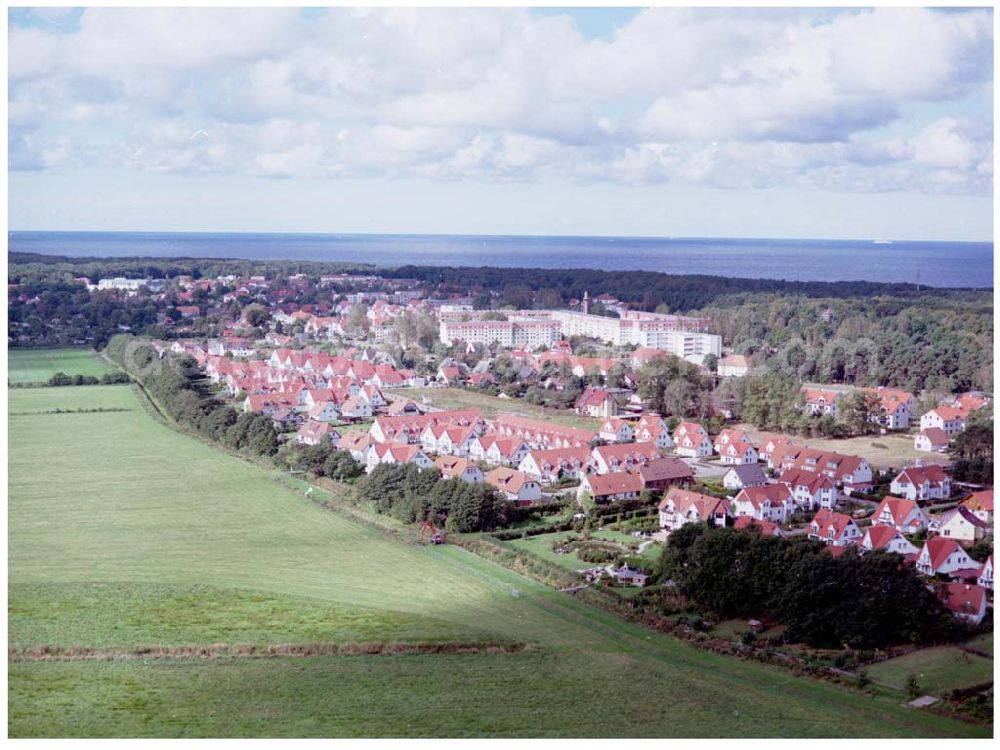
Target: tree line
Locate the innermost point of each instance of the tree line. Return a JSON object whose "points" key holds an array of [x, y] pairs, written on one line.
{"points": [[868, 601], [182, 391]]}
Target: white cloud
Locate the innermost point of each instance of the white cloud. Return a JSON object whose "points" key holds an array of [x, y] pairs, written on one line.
{"points": [[733, 98]]}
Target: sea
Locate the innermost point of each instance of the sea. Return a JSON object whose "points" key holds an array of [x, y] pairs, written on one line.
{"points": [[935, 264]]}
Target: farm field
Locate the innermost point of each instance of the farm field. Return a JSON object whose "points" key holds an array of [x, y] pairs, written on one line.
{"points": [[490, 406], [891, 450], [937, 670], [38, 365], [124, 533]]}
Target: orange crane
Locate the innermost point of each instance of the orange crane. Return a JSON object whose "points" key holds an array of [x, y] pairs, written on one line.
{"points": [[437, 536]]}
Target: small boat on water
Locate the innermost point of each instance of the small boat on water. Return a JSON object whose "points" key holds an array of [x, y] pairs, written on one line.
{"points": [[881, 242]]}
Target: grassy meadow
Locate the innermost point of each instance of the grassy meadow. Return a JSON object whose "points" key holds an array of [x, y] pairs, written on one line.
{"points": [[124, 533], [937, 670], [490, 406], [38, 365]]}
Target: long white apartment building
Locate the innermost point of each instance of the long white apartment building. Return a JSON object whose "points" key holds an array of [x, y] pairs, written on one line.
{"points": [[683, 336], [511, 333]]}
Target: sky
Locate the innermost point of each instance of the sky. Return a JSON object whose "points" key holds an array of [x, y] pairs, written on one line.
{"points": [[780, 122]]}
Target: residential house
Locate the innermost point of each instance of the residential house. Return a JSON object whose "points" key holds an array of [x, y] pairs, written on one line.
{"points": [[965, 601], [962, 524], [324, 412], [948, 419], [603, 488], [728, 436], [943, 556], [355, 409], [456, 467], [931, 440], [922, 483], [631, 577], [733, 366], [616, 430], [395, 453], [903, 515], [514, 486], [680, 507], [622, 456], [771, 502], [692, 440], [820, 401], [981, 505], [887, 539], [555, 464], [986, 574], [356, 443], [596, 402], [661, 473], [738, 453], [892, 407], [742, 476], [810, 490], [498, 451], [834, 528], [316, 433]]}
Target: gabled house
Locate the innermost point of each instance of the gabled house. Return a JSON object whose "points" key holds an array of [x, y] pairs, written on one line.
{"points": [[514, 486], [317, 433], [931, 440], [904, 515], [766, 528], [604, 488], [965, 601], [356, 443], [606, 459], [455, 467], [395, 453], [596, 402], [692, 440], [661, 473], [834, 528], [616, 430], [887, 539], [771, 502], [941, 556], [810, 490], [680, 507], [738, 453], [555, 464], [921, 483], [986, 574], [498, 451], [962, 524], [981, 505], [742, 476], [949, 419]]}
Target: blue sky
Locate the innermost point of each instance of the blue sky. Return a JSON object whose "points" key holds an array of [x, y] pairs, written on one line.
{"points": [[666, 121]]}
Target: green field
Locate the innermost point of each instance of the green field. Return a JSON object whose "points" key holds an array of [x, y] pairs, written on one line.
{"points": [[490, 406], [983, 642], [124, 533], [937, 670], [38, 365]]}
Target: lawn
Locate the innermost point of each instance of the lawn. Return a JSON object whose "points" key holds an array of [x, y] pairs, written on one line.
{"points": [[881, 451], [937, 670], [490, 406], [38, 365], [983, 642], [123, 532]]}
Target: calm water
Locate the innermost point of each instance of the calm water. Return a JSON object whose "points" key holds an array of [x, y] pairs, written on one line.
{"points": [[943, 264]]}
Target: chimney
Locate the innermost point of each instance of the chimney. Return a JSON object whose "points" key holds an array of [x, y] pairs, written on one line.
{"points": [[586, 302]]}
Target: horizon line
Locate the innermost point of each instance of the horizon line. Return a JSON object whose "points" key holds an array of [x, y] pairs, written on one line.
{"points": [[888, 240]]}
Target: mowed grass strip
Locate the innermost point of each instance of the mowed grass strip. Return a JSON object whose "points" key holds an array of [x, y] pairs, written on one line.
{"points": [[118, 499], [938, 670], [127, 615], [38, 365], [530, 694]]}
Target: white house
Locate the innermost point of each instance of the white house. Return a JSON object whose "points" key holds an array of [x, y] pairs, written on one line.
{"points": [[395, 453], [941, 556], [887, 539], [744, 475], [986, 574], [965, 601], [960, 523], [835, 529], [692, 440], [931, 440], [616, 430], [514, 485], [455, 467], [921, 483], [904, 515], [948, 419], [772, 502], [680, 507]]}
